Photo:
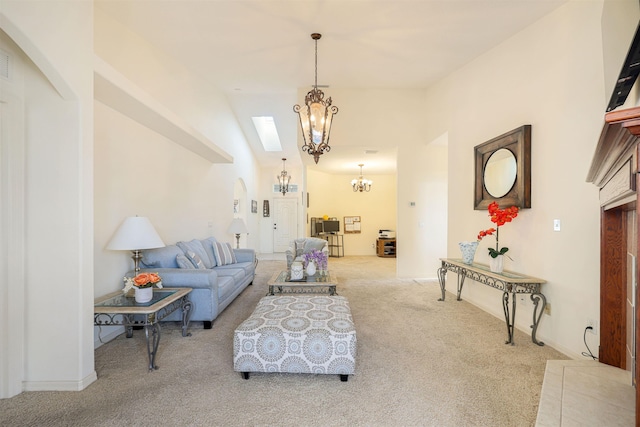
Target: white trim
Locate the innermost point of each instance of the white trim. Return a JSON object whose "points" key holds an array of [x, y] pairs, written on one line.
{"points": [[12, 242], [61, 385]]}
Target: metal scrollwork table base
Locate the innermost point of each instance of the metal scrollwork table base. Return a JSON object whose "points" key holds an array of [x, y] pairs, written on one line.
{"points": [[118, 309], [508, 282]]}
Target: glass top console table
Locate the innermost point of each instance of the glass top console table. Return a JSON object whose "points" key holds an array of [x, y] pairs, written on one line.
{"points": [[509, 282], [118, 309], [281, 283]]}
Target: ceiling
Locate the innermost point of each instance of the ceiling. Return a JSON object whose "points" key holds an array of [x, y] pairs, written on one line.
{"points": [[260, 53]]}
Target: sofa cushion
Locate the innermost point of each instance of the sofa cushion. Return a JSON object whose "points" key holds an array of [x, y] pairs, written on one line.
{"points": [[248, 268], [183, 262], [207, 244], [226, 287], [196, 260], [312, 244], [196, 247], [237, 274], [224, 254], [161, 257]]}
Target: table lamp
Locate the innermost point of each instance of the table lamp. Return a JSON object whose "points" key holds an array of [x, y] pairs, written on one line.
{"points": [[134, 234], [237, 227]]}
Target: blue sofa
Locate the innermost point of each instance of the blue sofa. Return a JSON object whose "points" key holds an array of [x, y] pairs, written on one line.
{"points": [[215, 271]]}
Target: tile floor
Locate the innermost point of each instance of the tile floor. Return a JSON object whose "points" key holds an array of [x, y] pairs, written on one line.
{"points": [[585, 393]]}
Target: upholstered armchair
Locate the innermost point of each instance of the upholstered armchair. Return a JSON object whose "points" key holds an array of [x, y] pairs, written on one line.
{"points": [[305, 245]]}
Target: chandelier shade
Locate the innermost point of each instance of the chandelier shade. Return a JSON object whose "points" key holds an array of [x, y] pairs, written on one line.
{"points": [[360, 184], [316, 116], [283, 179]]}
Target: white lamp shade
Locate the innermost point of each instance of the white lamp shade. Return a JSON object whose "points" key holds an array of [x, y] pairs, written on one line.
{"points": [[237, 226], [135, 232]]}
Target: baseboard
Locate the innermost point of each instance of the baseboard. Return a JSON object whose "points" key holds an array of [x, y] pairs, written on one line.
{"points": [[104, 334], [524, 327], [60, 385]]}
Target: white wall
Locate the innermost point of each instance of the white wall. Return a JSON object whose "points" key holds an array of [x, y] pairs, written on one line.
{"points": [[550, 76], [139, 172], [395, 119], [332, 195], [55, 300], [422, 207]]}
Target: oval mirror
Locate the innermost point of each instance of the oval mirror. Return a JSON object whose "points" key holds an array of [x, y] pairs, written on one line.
{"points": [[500, 173]]}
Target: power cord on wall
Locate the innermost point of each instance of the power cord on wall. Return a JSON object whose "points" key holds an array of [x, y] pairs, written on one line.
{"points": [[588, 352]]}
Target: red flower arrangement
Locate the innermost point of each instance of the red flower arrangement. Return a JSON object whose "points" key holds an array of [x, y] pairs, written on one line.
{"points": [[499, 217]]}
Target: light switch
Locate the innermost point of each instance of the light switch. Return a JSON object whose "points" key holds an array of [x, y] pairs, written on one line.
{"points": [[556, 225]]}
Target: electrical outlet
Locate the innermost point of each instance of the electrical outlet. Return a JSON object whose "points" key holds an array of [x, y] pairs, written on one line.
{"points": [[547, 309], [594, 326]]}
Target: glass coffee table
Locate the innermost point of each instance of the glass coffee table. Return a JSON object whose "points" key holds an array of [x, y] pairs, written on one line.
{"points": [[118, 309], [281, 283]]}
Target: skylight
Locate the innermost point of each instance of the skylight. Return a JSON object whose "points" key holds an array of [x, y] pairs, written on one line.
{"points": [[266, 128]]}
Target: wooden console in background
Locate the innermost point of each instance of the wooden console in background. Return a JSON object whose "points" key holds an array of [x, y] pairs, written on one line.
{"points": [[386, 248]]}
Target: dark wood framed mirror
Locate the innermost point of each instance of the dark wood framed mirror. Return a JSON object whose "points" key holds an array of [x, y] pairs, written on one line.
{"points": [[503, 170]]}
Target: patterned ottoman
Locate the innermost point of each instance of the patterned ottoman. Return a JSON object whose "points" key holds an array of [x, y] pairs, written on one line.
{"points": [[297, 334]]}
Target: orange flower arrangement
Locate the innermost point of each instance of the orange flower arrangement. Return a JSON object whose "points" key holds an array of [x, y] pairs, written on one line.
{"points": [[499, 217], [142, 280]]}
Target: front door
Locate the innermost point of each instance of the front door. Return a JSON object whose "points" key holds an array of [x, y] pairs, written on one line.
{"points": [[285, 223]]}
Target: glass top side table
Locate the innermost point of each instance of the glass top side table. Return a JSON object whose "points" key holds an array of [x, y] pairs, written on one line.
{"points": [[118, 309]]}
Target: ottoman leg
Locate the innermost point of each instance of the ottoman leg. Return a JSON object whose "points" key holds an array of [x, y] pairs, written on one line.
{"points": [[245, 375], [344, 378]]}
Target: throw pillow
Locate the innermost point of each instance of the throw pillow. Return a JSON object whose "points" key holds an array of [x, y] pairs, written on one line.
{"points": [[196, 247], [208, 248], [299, 246], [224, 254], [183, 262], [233, 254], [196, 260]]}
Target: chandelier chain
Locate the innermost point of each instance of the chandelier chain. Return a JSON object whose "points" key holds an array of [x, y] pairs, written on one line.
{"points": [[316, 80]]}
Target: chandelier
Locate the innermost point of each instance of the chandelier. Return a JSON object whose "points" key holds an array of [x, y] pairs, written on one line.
{"points": [[315, 116], [283, 179], [361, 184]]}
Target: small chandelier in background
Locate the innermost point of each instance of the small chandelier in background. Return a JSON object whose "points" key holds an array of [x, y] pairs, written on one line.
{"points": [[283, 179], [316, 116], [361, 184]]}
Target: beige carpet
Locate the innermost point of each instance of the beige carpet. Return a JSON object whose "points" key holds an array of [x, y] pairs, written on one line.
{"points": [[420, 363]]}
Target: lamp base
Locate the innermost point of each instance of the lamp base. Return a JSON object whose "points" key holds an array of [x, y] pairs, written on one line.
{"points": [[237, 240], [137, 256]]}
